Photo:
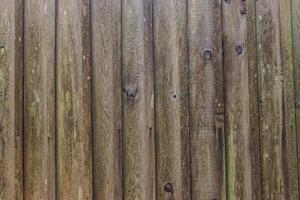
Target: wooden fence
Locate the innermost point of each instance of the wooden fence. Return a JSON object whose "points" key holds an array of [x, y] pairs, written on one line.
{"points": [[149, 99]]}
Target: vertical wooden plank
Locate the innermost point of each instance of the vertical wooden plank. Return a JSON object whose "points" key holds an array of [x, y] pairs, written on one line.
{"points": [[289, 137], [254, 100], [206, 98], [19, 24], [278, 139], [107, 114], [171, 100], [39, 102], [73, 101], [7, 97], [138, 100], [295, 5], [237, 121]]}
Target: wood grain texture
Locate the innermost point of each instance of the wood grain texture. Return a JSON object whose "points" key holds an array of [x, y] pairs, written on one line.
{"points": [[254, 100], [295, 5], [39, 102], [107, 115], [19, 68], [278, 139], [289, 136], [138, 100], [73, 101], [7, 97], [237, 120], [206, 98], [171, 100]]}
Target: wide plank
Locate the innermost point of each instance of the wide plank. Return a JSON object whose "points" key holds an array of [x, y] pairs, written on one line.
{"points": [[206, 99], [171, 100], [73, 98], [138, 100], [237, 116], [39, 101]]}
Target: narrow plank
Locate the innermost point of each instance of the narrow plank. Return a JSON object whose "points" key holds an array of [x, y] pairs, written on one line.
{"points": [[237, 120], [254, 100], [74, 146], [289, 138], [7, 97], [138, 100], [295, 5], [206, 98], [171, 100], [278, 138], [107, 114], [19, 68], [39, 101]]}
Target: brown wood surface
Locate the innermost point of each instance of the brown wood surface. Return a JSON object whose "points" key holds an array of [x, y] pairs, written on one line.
{"points": [[74, 147], [295, 18], [107, 116], [206, 98], [171, 100], [254, 100], [7, 98], [238, 157], [149, 99], [19, 5], [39, 102], [277, 119], [138, 100], [289, 137]]}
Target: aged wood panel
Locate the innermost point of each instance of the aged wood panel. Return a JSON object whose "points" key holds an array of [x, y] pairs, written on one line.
{"points": [[254, 100], [278, 139], [19, 98], [295, 5], [138, 100], [7, 97], [73, 101], [206, 98], [171, 100], [107, 115], [237, 120], [39, 101], [289, 137]]}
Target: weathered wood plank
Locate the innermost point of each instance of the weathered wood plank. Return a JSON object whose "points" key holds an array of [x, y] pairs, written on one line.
{"points": [[289, 137], [19, 9], [73, 101], [206, 98], [254, 100], [278, 139], [171, 100], [107, 114], [39, 101], [295, 5], [7, 97], [237, 121], [138, 100]]}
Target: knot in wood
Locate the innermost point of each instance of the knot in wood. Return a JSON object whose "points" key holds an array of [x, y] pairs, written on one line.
{"points": [[297, 104], [169, 188], [130, 92], [207, 54], [239, 49], [243, 7], [227, 1]]}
